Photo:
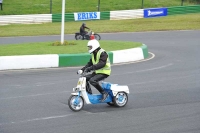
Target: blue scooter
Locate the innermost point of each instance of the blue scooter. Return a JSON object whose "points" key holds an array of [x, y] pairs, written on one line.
{"points": [[118, 95]]}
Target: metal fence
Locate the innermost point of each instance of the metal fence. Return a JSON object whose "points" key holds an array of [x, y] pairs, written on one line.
{"points": [[139, 4]]}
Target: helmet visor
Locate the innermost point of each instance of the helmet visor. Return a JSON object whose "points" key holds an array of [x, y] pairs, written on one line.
{"points": [[89, 47]]}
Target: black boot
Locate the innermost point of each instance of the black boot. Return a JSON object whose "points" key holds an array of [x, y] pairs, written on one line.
{"points": [[104, 96]]}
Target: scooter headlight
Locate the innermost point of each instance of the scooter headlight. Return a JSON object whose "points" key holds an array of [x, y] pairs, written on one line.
{"points": [[76, 89]]}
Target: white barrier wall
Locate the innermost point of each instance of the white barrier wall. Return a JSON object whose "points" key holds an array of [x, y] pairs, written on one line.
{"points": [[28, 61], [52, 60], [127, 55], [126, 14], [25, 19]]}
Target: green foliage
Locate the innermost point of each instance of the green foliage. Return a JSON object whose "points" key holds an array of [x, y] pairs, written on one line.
{"points": [[65, 43], [195, 1]]}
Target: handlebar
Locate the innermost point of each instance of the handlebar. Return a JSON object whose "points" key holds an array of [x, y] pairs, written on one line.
{"points": [[84, 73]]}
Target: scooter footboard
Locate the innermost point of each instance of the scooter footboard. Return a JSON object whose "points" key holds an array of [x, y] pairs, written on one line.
{"points": [[96, 98]]}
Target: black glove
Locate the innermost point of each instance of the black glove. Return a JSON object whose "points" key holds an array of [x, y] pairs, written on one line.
{"points": [[88, 69]]}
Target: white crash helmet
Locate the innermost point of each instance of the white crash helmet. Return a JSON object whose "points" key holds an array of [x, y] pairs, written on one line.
{"points": [[93, 45]]}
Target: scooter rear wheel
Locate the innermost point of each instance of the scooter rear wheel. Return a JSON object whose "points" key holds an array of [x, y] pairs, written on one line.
{"points": [[75, 104], [121, 99]]}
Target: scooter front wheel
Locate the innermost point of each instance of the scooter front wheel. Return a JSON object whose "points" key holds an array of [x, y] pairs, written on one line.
{"points": [[75, 103], [121, 99]]}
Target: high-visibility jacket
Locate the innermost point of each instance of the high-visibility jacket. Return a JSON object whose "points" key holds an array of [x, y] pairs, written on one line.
{"points": [[107, 68]]}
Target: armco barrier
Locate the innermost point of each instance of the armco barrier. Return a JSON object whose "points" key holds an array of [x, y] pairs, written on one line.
{"points": [[145, 51], [28, 61], [109, 15], [183, 9], [73, 59], [69, 60], [68, 17], [105, 15], [126, 14], [25, 19], [77, 59], [129, 55]]}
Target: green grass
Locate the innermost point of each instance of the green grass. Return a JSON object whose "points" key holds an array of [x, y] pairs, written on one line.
{"points": [[17, 7], [175, 22], [47, 48]]}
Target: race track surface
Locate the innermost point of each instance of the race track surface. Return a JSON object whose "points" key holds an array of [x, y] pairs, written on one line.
{"points": [[164, 91]]}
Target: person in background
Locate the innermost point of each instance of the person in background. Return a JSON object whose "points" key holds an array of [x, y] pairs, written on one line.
{"points": [[82, 30], [100, 64], [1, 4]]}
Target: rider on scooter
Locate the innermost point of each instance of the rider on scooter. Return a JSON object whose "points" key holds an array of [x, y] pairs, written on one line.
{"points": [[100, 64], [82, 30]]}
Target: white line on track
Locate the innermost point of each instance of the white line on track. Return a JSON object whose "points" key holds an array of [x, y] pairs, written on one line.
{"points": [[154, 81], [155, 68], [37, 119], [153, 55], [34, 95]]}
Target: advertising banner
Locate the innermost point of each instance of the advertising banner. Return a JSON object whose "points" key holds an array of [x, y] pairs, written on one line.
{"points": [[86, 16], [155, 12]]}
